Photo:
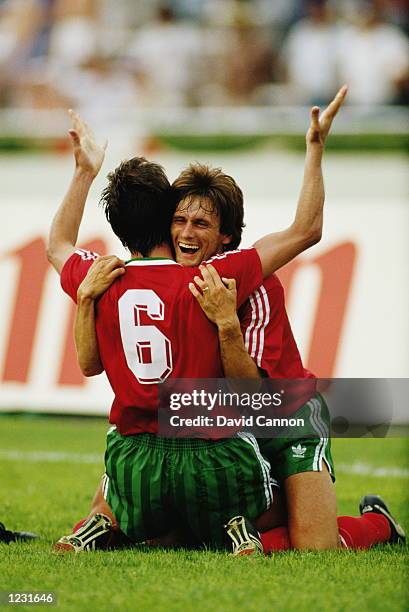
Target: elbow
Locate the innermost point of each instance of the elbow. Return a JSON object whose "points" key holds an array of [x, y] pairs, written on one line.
{"points": [[89, 371], [52, 256], [306, 237], [314, 236], [49, 251], [311, 236]]}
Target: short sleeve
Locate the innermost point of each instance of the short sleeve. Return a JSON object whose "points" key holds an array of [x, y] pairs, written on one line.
{"points": [[244, 266], [75, 270]]}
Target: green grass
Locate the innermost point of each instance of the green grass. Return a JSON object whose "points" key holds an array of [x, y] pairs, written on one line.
{"points": [[48, 496]]}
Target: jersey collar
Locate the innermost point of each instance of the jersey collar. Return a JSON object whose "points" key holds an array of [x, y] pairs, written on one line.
{"points": [[151, 261]]}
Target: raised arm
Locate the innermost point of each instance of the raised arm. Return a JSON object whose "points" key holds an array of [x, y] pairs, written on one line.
{"points": [[277, 249], [100, 276], [88, 161]]}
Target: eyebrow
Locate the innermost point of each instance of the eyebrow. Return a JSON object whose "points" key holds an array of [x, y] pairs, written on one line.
{"points": [[201, 220], [197, 219]]}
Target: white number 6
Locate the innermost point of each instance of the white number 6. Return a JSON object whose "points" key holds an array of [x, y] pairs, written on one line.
{"points": [[148, 352]]}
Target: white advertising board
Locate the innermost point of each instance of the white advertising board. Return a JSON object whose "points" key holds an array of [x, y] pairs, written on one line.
{"points": [[347, 298]]}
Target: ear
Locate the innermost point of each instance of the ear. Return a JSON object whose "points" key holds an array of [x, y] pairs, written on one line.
{"points": [[226, 239]]}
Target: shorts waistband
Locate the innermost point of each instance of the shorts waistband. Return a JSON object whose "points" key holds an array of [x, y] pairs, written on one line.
{"points": [[180, 444]]}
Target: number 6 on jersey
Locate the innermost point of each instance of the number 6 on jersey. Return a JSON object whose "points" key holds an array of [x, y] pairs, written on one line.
{"points": [[148, 352]]}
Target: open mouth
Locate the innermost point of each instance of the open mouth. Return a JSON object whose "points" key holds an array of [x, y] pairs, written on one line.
{"points": [[188, 249]]}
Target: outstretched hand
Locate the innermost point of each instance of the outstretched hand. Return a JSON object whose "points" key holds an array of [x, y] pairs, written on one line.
{"points": [[100, 276], [321, 125], [89, 156]]}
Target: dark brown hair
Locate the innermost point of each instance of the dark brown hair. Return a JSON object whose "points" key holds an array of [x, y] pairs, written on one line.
{"points": [[138, 204]]}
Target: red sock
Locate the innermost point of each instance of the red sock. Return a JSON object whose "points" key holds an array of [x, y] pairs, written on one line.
{"points": [[364, 531], [78, 525], [356, 532], [275, 539]]}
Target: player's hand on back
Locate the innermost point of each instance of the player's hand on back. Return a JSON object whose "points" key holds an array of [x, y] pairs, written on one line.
{"points": [[89, 155], [103, 272], [216, 296], [320, 125]]}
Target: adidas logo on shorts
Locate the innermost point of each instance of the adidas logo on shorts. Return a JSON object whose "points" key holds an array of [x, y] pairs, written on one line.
{"points": [[298, 451]]}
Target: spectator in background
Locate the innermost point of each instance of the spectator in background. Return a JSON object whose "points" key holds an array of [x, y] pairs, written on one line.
{"points": [[166, 55], [188, 8], [54, 36], [393, 11], [248, 61], [79, 70], [99, 82], [74, 36], [22, 23], [309, 56], [61, 53], [396, 12], [373, 57]]}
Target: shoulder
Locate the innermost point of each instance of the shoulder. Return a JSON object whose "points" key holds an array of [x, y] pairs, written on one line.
{"points": [[227, 255], [75, 269], [237, 260], [84, 255], [79, 260]]}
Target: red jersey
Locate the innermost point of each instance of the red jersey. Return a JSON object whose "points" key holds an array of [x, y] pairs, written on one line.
{"points": [[267, 332], [150, 327], [270, 342]]}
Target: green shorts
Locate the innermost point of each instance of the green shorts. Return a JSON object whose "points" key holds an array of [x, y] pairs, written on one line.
{"points": [[289, 456], [154, 484]]}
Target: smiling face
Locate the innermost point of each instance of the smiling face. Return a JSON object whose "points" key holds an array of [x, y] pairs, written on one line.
{"points": [[195, 231]]}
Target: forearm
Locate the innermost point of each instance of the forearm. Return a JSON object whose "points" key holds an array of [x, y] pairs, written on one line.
{"points": [[279, 248], [309, 214], [275, 250], [67, 220], [236, 361], [86, 341]]}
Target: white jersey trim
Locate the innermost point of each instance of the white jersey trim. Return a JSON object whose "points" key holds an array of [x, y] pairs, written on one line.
{"points": [[226, 254], [86, 255], [152, 262], [260, 317]]}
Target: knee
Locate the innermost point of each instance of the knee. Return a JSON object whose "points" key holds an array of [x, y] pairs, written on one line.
{"points": [[305, 535]]}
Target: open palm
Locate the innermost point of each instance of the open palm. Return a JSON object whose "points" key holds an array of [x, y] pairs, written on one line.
{"points": [[89, 156]]}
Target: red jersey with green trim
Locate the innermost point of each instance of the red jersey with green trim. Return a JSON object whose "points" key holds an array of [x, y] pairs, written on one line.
{"points": [[150, 327]]}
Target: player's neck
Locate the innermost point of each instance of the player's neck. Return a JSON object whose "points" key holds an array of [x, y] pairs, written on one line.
{"points": [[162, 250]]}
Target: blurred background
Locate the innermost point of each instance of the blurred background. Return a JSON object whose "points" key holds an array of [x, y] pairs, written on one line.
{"points": [[190, 53], [226, 82], [166, 60]]}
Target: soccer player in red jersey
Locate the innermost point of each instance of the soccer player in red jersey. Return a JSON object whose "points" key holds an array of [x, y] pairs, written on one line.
{"points": [[128, 308], [261, 343], [257, 337]]}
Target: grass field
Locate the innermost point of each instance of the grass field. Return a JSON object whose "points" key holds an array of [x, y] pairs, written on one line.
{"points": [[49, 468]]}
